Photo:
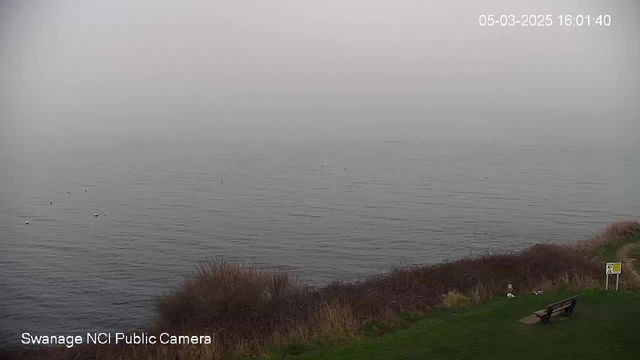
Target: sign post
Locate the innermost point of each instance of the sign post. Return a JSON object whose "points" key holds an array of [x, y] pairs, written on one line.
{"points": [[613, 268]]}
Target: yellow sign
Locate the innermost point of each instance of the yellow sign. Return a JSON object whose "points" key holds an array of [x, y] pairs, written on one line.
{"points": [[614, 268], [617, 267]]}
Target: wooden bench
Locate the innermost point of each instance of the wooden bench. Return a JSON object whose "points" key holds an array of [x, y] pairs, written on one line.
{"points": [[565, 307]]}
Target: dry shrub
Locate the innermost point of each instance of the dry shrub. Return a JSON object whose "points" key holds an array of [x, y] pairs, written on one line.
{"points": [[584, 282], [455, 300], [336, 320], [295, 333], [224, 288], [480, 295], [546, 285], [243, 348], [571, 282], [613, 233], [173, 352], [413, 288], [242, 303]]}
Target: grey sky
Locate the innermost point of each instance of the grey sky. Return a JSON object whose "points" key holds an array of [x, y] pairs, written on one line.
{"points": [[116, 67]]}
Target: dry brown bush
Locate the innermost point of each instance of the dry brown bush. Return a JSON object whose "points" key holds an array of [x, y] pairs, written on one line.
{"points": [[613, 233], [455, 300]]}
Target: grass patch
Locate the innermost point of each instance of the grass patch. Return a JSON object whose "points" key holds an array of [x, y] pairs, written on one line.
{"points": [[603, 326], [389, 324]]}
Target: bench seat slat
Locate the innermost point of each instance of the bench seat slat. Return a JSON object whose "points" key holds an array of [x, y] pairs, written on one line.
{"points": [[545, 311], [556, 308]]}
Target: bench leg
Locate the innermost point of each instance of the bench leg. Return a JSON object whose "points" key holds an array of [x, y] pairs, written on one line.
{"points": [[569, 311]]}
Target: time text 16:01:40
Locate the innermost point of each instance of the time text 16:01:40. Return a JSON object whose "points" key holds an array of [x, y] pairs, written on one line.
{"points": [[545, 20]]}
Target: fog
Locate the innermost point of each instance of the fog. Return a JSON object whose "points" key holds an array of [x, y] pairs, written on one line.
{"points": [[100, 70]]}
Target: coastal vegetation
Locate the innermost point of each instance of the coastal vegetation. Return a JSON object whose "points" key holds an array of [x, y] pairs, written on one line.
{"points": [[250, 311]]}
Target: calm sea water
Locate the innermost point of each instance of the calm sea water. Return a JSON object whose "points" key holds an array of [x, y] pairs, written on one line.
{"points": [[327, 209]]}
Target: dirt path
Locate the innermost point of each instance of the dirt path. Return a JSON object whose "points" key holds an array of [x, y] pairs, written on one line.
{"points": [[623, 255]]}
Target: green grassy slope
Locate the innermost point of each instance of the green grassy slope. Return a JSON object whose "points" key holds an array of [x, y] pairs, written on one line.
{"points": [[604, 326], [608, 251]]}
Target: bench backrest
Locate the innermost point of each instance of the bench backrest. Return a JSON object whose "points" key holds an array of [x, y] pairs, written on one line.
{"points": [[561, 302]]}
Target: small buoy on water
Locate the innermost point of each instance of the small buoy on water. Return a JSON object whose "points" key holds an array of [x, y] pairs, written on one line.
{"points": [[85, 191], [96, 215], [51, 203], [27, 222]]}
